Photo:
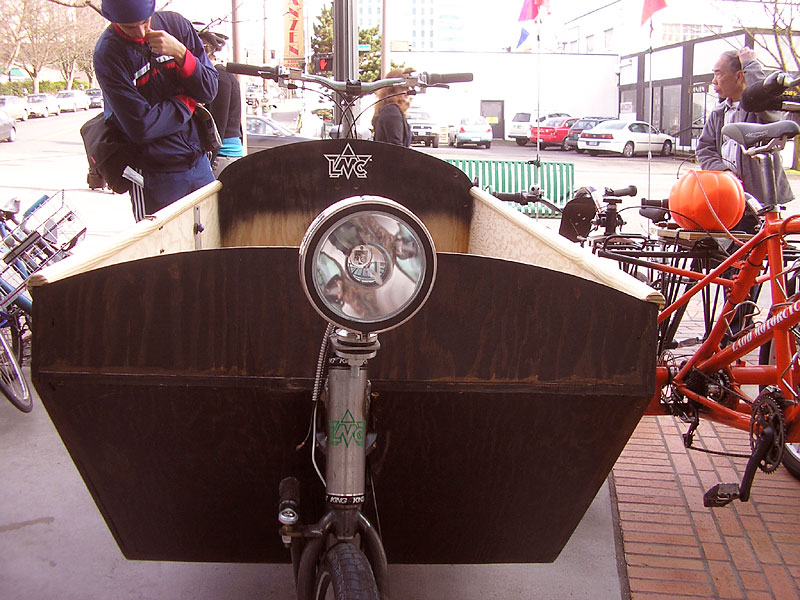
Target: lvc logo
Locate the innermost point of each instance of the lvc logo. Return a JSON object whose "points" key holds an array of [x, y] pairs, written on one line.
{"points": [[348, 163]]}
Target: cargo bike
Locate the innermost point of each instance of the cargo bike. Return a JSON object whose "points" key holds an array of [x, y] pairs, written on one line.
{"points": [[210, 423]]}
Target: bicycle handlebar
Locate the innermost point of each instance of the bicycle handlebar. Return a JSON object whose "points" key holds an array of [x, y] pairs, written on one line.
{"points": [[772, 94], [350, 88], [273, 73]]}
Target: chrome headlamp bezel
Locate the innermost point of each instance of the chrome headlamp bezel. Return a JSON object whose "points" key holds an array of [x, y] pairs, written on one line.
{"points": [[369, 267]]}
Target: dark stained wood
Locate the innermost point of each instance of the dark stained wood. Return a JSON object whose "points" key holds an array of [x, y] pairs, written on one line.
{"points": [[181, 386], [269, 198]]}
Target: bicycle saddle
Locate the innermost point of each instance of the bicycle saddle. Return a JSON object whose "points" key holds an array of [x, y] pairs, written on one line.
{"points": [[756, 134]]}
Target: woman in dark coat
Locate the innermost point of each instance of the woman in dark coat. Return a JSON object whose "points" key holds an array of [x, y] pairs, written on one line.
{"points": [[389, 120]]}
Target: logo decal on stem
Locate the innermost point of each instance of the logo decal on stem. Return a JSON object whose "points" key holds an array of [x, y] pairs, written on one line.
{"points": [[346, 430]]}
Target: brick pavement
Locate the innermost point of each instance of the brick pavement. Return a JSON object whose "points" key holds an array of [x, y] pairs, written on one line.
{"points": [[676, 548]]}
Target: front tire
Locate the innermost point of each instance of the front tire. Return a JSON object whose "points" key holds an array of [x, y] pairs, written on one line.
{"points": [[627, 151], [12, 134], [12, 381], [666, 149], [564, 145], [345, 574]]}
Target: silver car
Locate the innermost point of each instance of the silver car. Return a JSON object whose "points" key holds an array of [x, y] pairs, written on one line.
{"points": [[72, 100], [42, 105], [8, 131], [15, 107], [472, 130]]}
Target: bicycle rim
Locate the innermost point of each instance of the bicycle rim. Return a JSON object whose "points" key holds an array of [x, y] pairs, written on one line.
{"points": [[12, 381]]}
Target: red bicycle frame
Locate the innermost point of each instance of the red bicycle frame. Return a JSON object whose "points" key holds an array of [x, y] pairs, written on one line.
{"points": [[711, 358]]}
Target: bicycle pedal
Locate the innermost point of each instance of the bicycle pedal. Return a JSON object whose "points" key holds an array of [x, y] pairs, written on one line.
{"points": [[720, 495]]}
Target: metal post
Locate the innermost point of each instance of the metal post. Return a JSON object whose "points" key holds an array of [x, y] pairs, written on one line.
{"points": [[345, 56], [236, 38], [385, 60]]}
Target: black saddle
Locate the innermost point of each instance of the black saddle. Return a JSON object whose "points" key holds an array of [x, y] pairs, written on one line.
{"points": [[756, 134]]}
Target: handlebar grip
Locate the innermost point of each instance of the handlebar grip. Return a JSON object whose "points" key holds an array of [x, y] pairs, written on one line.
{"points": [[289, 493], [628, 191], [510, 197], [252, 70], [436, 78], [656, 203]]}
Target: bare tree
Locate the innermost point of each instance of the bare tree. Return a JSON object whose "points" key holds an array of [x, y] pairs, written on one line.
{"points": [[11, 31], [783, 48], [41, 25], [77, 40]]}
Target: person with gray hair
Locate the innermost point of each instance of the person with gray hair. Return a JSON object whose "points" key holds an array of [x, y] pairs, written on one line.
{"points": [[733, 72]]}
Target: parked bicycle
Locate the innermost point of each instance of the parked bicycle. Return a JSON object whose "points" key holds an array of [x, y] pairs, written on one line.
{"points": [[367, 265], [45, 233], [726, 271]]}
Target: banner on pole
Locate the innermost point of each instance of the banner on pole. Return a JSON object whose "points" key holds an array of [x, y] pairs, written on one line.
{"points": [[650, 7], [294, 51], [530, 9]]}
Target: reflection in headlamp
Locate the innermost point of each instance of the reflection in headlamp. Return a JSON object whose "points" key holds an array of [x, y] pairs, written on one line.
{"points": [[369, 266]]}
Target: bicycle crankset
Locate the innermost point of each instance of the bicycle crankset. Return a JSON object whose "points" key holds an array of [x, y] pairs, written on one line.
{"points": [[767, 413]]}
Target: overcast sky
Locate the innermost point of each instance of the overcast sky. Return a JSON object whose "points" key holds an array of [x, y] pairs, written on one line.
{"points": [[496, 22]]}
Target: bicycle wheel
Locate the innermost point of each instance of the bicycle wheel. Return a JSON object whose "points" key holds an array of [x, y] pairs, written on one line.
{"points": [[12, 381], [345, 574], [791, 458], [11, 330]]}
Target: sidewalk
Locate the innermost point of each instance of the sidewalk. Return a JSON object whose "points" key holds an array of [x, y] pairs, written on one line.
{"points": [[676, 548]]}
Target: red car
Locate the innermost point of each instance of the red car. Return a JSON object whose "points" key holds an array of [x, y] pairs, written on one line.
{"points": [[553, 131]]}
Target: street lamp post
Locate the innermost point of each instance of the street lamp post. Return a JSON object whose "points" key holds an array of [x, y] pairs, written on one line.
{"points": [[345, 52]]}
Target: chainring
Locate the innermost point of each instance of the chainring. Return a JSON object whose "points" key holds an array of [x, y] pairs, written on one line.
{"points": [[767, 413]]}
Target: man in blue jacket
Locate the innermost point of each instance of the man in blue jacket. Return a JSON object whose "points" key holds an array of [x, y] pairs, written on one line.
{"points": [[153, 71]]}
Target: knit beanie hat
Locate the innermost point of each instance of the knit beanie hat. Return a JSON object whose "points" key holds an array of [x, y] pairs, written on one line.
{"points": [[127, 11]]}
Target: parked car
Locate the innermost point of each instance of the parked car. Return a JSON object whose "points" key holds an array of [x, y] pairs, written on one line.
{"points": [[552, 132], [472, 130], [95, 98], [263, 133], [423, 128], [42, 105], [571, 141], [625, 138], [8, 130], [72, 100], [15, 107], [521, 125]]}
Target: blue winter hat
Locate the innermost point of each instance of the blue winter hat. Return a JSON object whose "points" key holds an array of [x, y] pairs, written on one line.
{"points": [[128, 11]]}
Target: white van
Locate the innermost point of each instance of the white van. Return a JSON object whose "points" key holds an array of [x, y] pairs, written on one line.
{"points": [[520, 128]]}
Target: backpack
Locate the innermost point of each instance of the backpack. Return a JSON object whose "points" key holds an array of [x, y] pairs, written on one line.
{"points": [[109, 152]]}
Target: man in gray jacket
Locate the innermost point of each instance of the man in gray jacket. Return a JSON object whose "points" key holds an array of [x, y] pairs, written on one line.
{"points": [[733, 72]]}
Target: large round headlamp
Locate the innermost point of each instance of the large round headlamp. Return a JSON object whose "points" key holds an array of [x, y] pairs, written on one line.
{"points": [[367, 264]]}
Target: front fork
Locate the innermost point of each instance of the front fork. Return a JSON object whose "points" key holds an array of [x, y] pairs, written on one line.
{"points": [[345, 443]]}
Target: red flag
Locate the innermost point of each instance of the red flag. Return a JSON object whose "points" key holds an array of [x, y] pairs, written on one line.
{"points": [[650, 7], [530, 10]]}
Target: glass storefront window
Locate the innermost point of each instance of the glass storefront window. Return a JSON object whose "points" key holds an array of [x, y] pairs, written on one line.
{"points": [[671, 110]]}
